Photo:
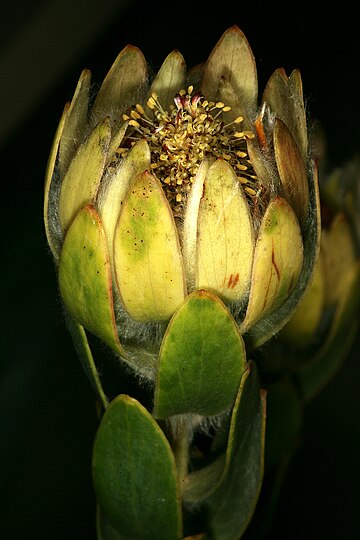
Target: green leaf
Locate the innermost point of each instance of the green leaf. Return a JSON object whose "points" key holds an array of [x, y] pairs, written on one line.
{"points": [[232, 505], [284, 419], [202, 359], [135, 475], [85, 279], [104, 529], [202, 483]]}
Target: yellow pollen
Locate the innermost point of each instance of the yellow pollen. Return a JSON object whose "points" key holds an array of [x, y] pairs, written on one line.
{"points": [[151, 103], [134, 123], [139, 109], [183, 136]]}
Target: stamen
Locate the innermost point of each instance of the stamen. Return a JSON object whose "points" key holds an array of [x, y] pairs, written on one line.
{"points": [[182, 137], [134, 123]]}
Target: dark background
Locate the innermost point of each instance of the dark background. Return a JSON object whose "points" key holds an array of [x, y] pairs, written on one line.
{"points": [[48, 417]]}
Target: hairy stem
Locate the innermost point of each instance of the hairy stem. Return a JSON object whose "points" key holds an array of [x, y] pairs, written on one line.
{"points": [[182, 433]]}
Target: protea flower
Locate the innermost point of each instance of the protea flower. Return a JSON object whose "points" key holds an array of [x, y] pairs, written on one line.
{"points": [[184, 186], [183, 219]]}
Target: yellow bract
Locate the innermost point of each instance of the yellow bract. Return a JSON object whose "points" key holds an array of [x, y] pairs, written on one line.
{"points": [[169, 79], [284, 95], [232, 58], [76, 121], [278, 261], [114, 188], [189, 230], [84, 174], [147, 258], [225, 237], [292, 170], [126, 75], [48, 179], [85, 277]]}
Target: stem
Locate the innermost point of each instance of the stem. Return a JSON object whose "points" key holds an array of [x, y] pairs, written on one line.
{"points": [[182, 432]]}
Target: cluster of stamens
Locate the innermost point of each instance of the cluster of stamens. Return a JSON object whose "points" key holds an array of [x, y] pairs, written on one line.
{"points": [[181, 138]]}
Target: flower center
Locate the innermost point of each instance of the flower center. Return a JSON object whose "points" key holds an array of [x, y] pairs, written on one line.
{"points": [[181, 138]]}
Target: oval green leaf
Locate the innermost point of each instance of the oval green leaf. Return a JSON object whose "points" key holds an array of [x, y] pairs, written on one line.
{"points": [[232, 505], [147, 258], [85, 277], [202, 359], [104, 529], [134, 473], [202, 483]]}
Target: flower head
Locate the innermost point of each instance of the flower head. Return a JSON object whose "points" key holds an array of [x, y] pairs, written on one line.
{"points": [[156, 193], [183, 137]]}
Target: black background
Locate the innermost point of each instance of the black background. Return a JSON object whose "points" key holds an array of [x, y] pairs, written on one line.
{"points": [[48, 417]]}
